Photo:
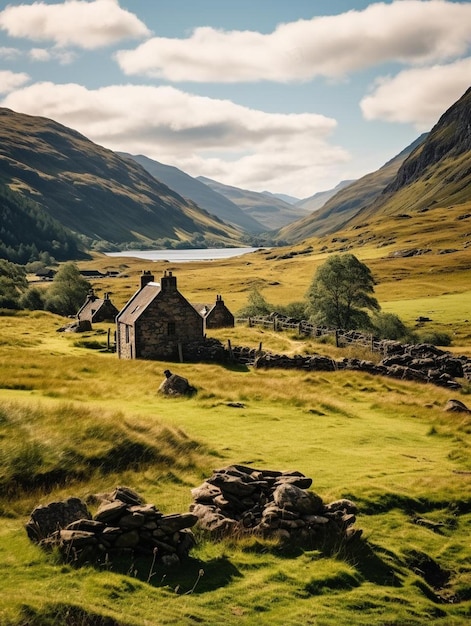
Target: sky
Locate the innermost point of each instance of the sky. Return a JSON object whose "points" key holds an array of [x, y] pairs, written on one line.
{"points": [[286, 96]]}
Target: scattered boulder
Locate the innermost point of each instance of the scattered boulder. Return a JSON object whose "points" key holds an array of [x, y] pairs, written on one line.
{"points": [[239, 500], [456, 406], [79, 326], [175, 385], [122, 523]]}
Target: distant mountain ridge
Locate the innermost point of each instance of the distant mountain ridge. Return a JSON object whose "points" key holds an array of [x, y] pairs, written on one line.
{"points": [[347, 202], [193, 189], [94, 192], [317, 201], [270, 211]]}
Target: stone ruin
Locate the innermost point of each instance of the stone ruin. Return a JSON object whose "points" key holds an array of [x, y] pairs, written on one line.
{"points": [[122, 525], [238, 500], [235, 501]]}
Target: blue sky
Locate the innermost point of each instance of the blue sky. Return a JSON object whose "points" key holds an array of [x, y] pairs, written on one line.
{"points": [[285, 96]]}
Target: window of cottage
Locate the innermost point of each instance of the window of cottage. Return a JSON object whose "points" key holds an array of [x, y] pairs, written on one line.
{"points": [[127, 333], [171, 330]]}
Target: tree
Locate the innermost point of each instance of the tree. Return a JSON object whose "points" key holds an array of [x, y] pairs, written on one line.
{"points": [[68, 291], [12, 283], [256, 305], [340, 292]]}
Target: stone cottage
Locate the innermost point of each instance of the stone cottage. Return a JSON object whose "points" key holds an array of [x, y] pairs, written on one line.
{"points": [[97, 309], [219, 316], [157, 321]]}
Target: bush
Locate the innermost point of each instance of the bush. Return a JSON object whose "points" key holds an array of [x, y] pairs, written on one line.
{"points": [[390, 326], [435, 337]]}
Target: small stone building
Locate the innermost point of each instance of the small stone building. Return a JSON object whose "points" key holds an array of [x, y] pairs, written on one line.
{"points": [[219, 315], [157, 321], [97, 309]]}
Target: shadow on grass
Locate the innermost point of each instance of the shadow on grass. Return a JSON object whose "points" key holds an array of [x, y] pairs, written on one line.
{"points": [[192, 576], [367, 560]]}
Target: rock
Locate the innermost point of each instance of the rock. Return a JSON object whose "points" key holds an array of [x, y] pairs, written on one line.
{"points": [[46, 519], [110, 512], [291, 497], [456, 406], [175, 385]]}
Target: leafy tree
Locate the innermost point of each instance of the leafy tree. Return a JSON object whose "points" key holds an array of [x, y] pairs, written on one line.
{"points": [[256, 305], [68, 291], [340, 292], [12, 283]]}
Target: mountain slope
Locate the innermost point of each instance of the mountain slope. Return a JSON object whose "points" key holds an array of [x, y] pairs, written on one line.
{"points": [[337, 211], [91, 190], [27, 232], [270, 211], [198, 192], [436, 173]]}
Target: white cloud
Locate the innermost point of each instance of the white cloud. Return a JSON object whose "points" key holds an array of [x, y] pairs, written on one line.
{"points": [[9, 53], [78, 23], [10, 80], [202, 136], [405, 31], [418, 96], [39, 54]]}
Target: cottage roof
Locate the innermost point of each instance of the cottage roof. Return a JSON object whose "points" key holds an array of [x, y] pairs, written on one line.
{"points": [[138, 303], [90, 307]]}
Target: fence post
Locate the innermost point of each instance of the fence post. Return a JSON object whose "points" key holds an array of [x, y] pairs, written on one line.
{"points": [[250, 322], [336, 338], [229, 348]]}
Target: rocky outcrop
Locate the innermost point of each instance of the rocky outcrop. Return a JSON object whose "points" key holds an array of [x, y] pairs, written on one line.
{"points": [[239, 500], [123, 524]]}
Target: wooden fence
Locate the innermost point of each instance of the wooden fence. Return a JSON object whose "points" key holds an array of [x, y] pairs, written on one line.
{"points": [[341, 337]]}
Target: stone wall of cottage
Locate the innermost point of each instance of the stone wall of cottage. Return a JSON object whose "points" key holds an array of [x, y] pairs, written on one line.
{"points": [[126, 341], [167, 321]]}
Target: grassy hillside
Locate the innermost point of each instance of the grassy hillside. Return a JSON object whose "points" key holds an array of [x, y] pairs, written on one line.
{"points": [[92, 191]]}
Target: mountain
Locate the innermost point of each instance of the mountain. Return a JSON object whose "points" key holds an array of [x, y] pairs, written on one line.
{"points": [[94, 192], [281, 196], [317, 201], [438, 171], [193, 189], [270, 211], [347, 202]]}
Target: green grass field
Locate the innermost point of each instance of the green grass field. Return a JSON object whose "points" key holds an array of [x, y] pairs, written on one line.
{"points": [[80, 415]]}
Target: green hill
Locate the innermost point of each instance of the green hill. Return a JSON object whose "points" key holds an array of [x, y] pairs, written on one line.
{"points": [[94, 192]]}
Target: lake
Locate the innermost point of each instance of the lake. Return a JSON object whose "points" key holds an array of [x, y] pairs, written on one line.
{"points": [[184, 255]]}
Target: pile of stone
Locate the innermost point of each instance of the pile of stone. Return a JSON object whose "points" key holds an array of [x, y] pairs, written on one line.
{"points": [[123, 525], [420, 362], [239, 500]]}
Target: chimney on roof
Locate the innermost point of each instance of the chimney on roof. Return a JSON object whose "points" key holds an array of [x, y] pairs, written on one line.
{"points": [[91, 297], [168, 282], [146, 277]]}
